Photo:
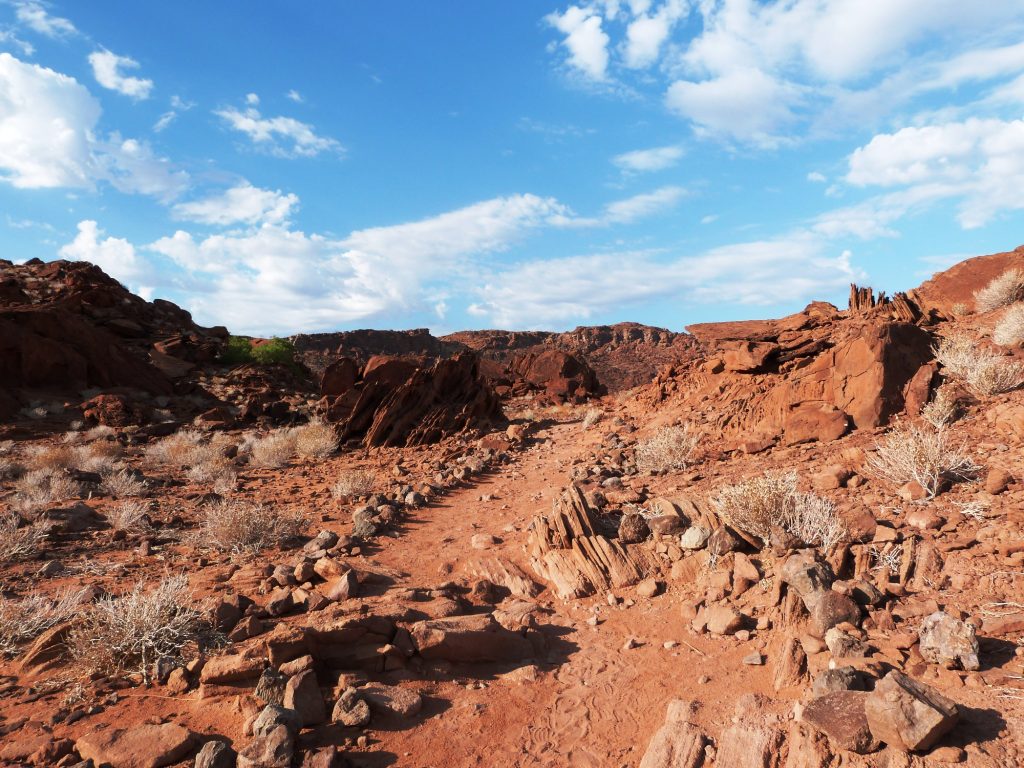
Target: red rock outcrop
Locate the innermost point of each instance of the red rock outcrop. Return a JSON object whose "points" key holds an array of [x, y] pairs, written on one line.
{"points": [[396, 403]]}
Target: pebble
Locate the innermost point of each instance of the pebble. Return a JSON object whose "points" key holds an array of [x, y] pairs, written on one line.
{"points": [[754, 660]]}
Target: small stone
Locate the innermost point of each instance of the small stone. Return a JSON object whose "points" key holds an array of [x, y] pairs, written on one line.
{"points": [[351, 709], [754, 660], [633, 528], [695, 537], [723, 620], [215, 754], [648, 588], [948, 641], [391, 699], [482, 541], [997, 480], [912, 491]]}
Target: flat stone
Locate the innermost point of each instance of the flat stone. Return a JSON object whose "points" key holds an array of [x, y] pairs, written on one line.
{"points": [[391, 699], [230, 669], [840, 716], [144, 746], [907, 714]]}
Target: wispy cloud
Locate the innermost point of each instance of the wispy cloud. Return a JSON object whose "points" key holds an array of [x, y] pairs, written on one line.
{"points": [[108, 69], [280, 136]]}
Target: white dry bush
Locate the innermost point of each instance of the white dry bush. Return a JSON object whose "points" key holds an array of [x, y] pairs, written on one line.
{"points": [[100, 432], [814, 520], [315, 440], [233, 525], [122, 483], [274, 450], [943, 409], [1006, 289], [51, 458], [130, 632], [929, 456], [41, 488], [975, 509], [18, 541], [668, 448], [25, 619], [353, 483], [984, 372], [1010, 328], [175, 450], [98, 456], [130, 516], [591, 417], [960, 309], [758, 504]]}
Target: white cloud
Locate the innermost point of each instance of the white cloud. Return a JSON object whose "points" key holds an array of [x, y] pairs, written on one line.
{"points": [[108, 69], [586, 42], [35, 17], [978, 161], [46, 120], [545, 293], [178, 105], [646, 34], [281, 136], [48, 138], [295, 96], [745, 104], [643, 205], [654, 159], [243, 204], [115, 256], [8, 37], [816, 177], [252, 99]]}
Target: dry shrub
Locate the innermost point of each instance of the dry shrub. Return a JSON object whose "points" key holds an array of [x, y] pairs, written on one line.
{"points": [[175, 450], [923, 454], [122, 483], [132, 631], [100, 432], [1003, 290], [41, 488], [591, 417], [1010, 328], [25, 619], [668, 448], [984, 372], [219, 472], [960, 309], [100, 456], [233, 525], [353, 483], [10, 469], [18, 541], [758, 504], [274, 450], [315, 440], [130, 516], [814, 520], [51, 458], [943, 409]]}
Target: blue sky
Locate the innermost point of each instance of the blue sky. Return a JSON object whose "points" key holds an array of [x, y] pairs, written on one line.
{"points": [[298, 166]]}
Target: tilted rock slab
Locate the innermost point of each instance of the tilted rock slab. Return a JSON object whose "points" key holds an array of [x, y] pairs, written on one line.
{"points": [[907, 714]]}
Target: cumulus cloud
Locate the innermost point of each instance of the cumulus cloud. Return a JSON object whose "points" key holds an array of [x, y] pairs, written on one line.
{"points": [[49, 138], [115, 256], [108, 69], [585, 41], [242, 204], [645, 160], [35, 17], [978, 161], [647, 33], [280, 136]]}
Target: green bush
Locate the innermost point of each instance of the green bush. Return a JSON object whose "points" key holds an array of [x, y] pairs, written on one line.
{"points": [[274, 351], [238, 350]]}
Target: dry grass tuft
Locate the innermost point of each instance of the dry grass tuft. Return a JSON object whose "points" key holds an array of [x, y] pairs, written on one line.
{"points": [[10, 469], [240, 526], [18, 541], [130, 516], [1010, 328], [943, 409], [923, 454], [175, 450], [25, 619], [99, 456], [100, 432], [274, 450], [51, 458], [1006, 289], [41, 488], [122, 483], [668, 448], [315, 440], [591, 417], [132, 631], [814, 520], [353, 483], [984, 372]]}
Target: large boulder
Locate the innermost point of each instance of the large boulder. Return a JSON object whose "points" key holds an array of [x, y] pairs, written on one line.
{"points": [[143, 746], [907, 714], [469, 639]]}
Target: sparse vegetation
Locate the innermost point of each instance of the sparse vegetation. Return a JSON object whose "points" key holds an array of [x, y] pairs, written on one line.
{"points": [[132, 631], [99, 456], [670, 448], [130, 516], [943, 409], [177, 450], [923, 454], [1010, 328], [233, 525], [240, 350], [25, 619], [1002, 291], [274, 450], [237, 350], [40, 488], [593, 416], [353, 483], [960, 309], [18, 541], [122, 483], [315, 440], [51, 458], [770, 501], [984, 372]]}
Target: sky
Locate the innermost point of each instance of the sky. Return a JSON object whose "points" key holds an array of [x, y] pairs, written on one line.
{"points": [[297, 166]]}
